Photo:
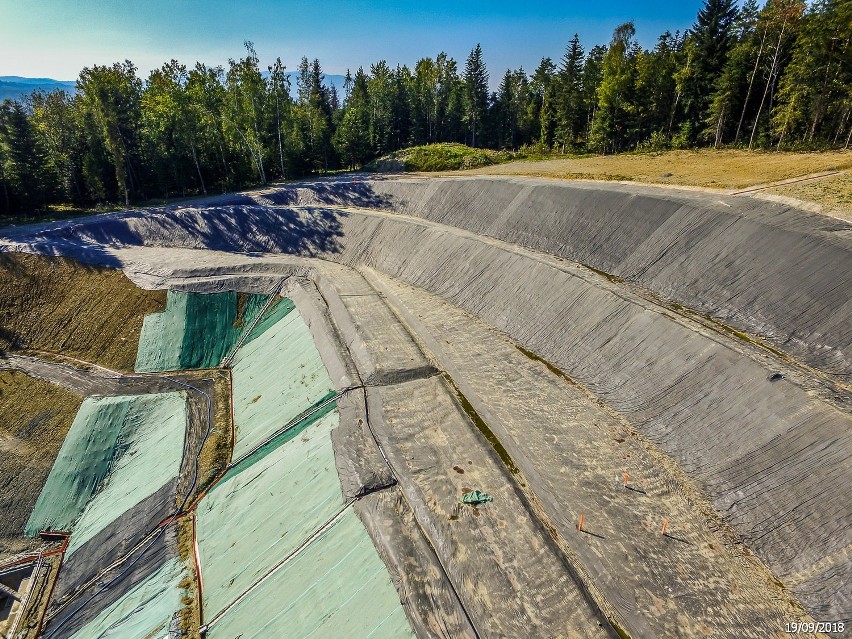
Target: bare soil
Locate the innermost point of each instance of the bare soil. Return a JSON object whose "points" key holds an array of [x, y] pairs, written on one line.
{"points": [[61, 306], [34, 418]]}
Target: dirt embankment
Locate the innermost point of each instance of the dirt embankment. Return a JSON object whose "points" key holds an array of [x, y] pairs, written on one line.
{"points": [[34, 419], [61, 306]]}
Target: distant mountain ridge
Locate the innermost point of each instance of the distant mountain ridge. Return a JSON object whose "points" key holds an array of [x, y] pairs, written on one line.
{"points": [[15, 87]]}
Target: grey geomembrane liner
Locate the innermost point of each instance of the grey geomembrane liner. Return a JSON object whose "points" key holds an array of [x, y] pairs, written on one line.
{"points": [[277, 375], [576, 464], [494, 554], [764, 452], [144, 612], [336, 587], [714, 253], [143, 595]]}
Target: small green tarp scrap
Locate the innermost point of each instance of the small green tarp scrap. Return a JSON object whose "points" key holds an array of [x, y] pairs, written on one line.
{"points": [[475, 497]]}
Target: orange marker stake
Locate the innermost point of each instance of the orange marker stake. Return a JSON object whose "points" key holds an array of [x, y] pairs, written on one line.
{"points": [[580, 525], [665, 525], [626, 477]]}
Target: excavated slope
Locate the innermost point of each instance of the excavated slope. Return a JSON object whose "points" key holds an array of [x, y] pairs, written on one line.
{"points": [[772, 455]]}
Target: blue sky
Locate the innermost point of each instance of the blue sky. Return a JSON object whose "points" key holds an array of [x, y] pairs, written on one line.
{"points": [[56, 38]]}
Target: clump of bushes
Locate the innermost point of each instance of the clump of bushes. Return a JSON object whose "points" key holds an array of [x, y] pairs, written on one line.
{"points": [[439, 157]]}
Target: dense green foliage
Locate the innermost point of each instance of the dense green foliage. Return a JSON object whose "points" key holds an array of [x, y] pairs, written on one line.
{"points": [[441, 156], [777, 76]]}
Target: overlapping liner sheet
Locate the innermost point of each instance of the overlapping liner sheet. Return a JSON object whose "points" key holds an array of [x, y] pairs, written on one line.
{"points": [[118, 451], [195, 330], [337, 587], [256, 527], [147, 610], [265, 507], [263, 511], [140, 596], [277, 375]]}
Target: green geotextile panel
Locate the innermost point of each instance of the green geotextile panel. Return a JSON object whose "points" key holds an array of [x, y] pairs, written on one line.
{"points": [[84, 460], [195, 330], [336, 587], [143, 612], [277, 375], [264, 508], [151, 441]]}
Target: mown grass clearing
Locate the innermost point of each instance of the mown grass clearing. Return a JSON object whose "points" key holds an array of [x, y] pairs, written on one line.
{"points": [[727, 169]]}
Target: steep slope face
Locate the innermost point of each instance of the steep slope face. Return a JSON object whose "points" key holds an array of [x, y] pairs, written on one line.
{"points": [[64, 307], [34, 418], [767, 439], [761, 267]]}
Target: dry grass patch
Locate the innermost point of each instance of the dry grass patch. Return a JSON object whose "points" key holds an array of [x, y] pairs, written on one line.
{"points": [[34, 418], [832, 193], [216, 452], [727, 169], [61, 306]]}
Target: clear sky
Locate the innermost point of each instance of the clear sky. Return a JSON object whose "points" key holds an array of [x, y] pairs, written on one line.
{"points": [[56, 38]]}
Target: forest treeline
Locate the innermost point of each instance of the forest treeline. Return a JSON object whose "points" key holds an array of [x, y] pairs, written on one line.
{"points": [[776, 76]]}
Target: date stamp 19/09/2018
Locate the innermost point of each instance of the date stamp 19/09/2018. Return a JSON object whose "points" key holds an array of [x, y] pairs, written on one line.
{"points": [[802, 627]]}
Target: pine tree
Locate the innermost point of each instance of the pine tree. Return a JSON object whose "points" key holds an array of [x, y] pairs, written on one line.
{"points": [[475, 92], [541, 110], [711, 37], [27, 181], [570, 109], [352, 138]]}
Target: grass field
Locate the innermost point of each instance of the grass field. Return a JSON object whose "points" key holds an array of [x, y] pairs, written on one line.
{"points": [[714, 169], [61, 306], [833, 193]]}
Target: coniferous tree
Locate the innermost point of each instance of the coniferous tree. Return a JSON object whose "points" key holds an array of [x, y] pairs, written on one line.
{"points": [[27, 182], [352, 138], [542, 110], [711, 38], [570, 109], [475, 93]]}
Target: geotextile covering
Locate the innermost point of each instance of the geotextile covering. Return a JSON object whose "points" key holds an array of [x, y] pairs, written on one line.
{"points": [[277, 375], [264, 508], [337, 587], [195, 330], [118, 451], [144, 611]]}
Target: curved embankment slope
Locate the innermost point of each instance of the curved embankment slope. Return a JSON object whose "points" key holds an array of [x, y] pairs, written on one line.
{"points": [[772, 452]]}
